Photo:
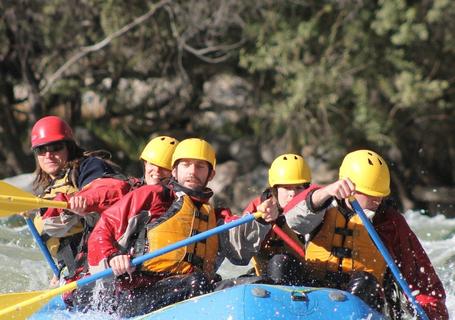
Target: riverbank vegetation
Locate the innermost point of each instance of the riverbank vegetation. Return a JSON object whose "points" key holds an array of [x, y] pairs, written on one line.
{"points": [[256, 78]]}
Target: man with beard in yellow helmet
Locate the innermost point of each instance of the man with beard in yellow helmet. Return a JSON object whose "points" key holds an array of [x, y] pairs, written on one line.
{"points": [[154, 216]]}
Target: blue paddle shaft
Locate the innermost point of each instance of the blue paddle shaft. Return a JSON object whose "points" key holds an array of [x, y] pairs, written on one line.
{"points": [[196, 238], [388, 258], [42, 246]]}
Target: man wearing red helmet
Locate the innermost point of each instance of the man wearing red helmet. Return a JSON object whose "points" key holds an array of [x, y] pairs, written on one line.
{"points": [[66, 172]]}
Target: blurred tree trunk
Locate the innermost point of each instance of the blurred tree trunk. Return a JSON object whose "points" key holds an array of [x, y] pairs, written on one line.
{"points": [[16, 160], [15, 66]]}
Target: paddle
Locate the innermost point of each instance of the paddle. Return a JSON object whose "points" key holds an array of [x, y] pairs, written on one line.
{"points": [[289, 241], [393, 267], [8, 191], [42, 246], [14, 200], [33, 302]]}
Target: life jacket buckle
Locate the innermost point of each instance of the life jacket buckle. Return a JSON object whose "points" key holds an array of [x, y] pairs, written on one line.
{"points": [[341, 252]]}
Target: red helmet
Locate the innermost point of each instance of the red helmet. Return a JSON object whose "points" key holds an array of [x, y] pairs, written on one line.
{"points": [[50, 129]]}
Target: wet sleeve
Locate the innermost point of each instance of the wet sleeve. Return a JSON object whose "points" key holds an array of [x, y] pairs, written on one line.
{"points": [[115, 223], [302, 220], [103, 193], [59, 226], [240, 244], [58, 222], [300, 217], [310, 204]]}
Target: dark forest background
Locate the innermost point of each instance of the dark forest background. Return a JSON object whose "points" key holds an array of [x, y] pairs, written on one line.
{"points": [[255, 78]]}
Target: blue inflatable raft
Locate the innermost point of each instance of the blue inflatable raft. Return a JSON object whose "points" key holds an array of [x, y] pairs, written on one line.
{"points": [[249, 301]]}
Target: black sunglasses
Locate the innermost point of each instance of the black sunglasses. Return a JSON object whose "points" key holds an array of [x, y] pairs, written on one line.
{"points": [[54, 147]]}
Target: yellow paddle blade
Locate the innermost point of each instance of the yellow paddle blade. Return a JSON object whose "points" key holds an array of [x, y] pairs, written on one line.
{"points": [[14, 200], [37, 299], [9, 299], [9, 189], [4, 213]]}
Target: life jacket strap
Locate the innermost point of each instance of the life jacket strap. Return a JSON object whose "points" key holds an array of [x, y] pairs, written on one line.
{"points": [[195, 232], [140, 242], [204, 217], [194, 260], [66, 254], [344, 231]]}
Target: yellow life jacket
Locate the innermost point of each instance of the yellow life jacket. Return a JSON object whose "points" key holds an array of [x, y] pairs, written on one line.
{"points": [[344, 245], [183, 220], [274, 245], [61, 185]]}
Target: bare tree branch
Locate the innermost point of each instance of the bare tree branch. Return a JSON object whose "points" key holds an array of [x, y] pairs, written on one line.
{"points": [[201, 53], [175, 33], [97, 46], [20, 38]]}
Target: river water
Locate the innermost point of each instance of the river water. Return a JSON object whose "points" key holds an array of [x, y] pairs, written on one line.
{"points": [[23, 268]]}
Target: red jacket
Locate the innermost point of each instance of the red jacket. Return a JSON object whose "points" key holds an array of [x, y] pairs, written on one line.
{"points": [[100, 195], [412, 261], [119, 221], [102, 244]]}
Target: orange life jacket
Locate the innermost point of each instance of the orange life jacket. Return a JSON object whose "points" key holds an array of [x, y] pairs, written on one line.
{"points": [[183, 220], [344, 245]]}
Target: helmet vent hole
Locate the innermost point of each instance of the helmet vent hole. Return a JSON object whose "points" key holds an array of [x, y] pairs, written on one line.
{"points": [[162, 139], [285, 158], [380, 162], [370, 153], [295, 158], [172, 142], [370, 163]]}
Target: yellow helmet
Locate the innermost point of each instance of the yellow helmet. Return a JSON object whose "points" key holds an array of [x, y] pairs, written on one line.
{"points": [[159, 151], [194, 148], [289, 169], [368, 171]]}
